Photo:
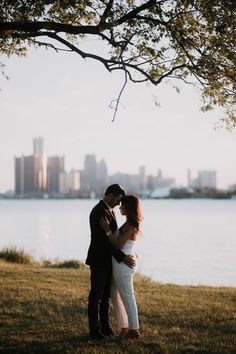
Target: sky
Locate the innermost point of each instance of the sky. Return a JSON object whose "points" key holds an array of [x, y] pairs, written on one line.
{"points": [[65, 99]]}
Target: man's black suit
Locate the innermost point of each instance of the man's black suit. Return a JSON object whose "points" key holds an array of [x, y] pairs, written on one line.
{"points": [[99, 259]]}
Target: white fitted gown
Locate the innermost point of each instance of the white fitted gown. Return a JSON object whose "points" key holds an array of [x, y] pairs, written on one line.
{"points": [[122, 290]]}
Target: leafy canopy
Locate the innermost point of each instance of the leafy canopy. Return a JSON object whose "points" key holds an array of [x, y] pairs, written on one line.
{"points": [[150, 40]]}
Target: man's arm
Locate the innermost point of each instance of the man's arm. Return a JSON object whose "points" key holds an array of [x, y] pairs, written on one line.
{"points": [[117, 254], [122, 257]]}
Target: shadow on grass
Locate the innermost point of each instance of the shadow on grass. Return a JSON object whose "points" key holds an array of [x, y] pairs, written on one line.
{"points": [[79, 344], [64, 345]]}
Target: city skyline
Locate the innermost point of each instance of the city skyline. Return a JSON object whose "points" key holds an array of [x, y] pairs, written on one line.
{"points": [[39, 149], [40, 175], [66, 100]]}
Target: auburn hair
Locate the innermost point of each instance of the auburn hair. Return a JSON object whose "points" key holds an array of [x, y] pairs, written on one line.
{"points": [[133, 210]]}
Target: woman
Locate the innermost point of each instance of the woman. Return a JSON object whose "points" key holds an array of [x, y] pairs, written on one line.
{"points": [[122, 291]]}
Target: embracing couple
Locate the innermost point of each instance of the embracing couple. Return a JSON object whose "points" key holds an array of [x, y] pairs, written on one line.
{"points": [[112, 264]]}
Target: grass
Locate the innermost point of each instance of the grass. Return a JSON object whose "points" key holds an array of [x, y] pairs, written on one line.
{"points": [[73, 263], [14, 255], [44, 310]]}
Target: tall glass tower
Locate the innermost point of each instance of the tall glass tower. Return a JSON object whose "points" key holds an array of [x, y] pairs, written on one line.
{"points": [[38, 146]]}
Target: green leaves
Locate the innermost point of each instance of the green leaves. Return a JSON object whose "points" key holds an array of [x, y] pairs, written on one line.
{"points": [[150, 40]]}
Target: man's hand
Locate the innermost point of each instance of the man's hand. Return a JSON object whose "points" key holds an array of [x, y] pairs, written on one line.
{"points": [[130, 261]]}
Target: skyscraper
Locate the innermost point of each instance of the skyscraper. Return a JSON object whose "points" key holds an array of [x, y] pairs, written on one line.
{"points": [[30, 174], [40, 175], [27, 172], [102, 176], [69, 183], [55, 165], [90, 172], [19, 175], [38, 146]]}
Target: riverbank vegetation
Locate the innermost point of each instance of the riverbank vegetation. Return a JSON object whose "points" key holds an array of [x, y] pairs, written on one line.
{"points": [[201, 193], [43, 309]]}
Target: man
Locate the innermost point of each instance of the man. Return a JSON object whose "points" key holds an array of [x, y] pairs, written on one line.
{"points": [[100, 262]]}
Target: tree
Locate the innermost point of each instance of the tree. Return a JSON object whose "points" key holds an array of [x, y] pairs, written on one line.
{"points": [[149, 40]]}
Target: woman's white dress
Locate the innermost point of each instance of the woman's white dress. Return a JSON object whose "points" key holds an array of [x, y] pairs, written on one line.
{"points": [[122, 290]]}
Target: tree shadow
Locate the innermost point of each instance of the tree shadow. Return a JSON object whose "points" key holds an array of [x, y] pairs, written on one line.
{"points": [[57, 346]]}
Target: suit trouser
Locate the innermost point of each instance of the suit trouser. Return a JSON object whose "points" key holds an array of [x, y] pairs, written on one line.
{"points": [[99, 298]]}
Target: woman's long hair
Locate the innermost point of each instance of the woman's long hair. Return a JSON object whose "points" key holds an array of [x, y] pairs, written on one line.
{"points": [[133, 210]]}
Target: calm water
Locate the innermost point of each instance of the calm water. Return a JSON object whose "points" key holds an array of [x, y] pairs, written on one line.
{"points": [[182, 242]]}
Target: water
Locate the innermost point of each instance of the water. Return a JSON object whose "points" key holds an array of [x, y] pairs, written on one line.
{"points": [[183, 241]]}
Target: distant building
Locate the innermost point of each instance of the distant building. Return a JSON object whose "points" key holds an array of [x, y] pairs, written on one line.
{"points": [[38, 146], [28, 175], [38, 175], [69, 183], [189, 179], [142, 178], [151, 185], [205, 179], [89, 176], [41, 168], [131, 183], [102, 176], [19, 175], [74, 181], [157, 182], [55, 165], [161, 182]]}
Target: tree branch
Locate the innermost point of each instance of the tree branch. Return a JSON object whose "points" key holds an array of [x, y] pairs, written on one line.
{"points": [[49, 45], [120, 93], [131, 14], [106, 12], [49, 26]]}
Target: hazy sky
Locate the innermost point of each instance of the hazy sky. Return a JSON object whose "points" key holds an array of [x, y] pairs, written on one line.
{"points": [[65, 100]]}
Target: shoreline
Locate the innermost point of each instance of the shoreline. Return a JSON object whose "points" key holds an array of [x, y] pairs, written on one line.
{"points": [[14, 255]]}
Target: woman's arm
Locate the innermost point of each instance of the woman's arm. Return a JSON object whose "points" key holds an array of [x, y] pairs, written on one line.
{"points": [[117, 242]]}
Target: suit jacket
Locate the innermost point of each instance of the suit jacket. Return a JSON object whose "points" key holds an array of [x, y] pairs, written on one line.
{"points": [[100, 249]]}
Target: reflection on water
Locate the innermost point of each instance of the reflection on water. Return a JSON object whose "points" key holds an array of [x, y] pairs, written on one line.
{"points": [[45, 236], [182, 242]]}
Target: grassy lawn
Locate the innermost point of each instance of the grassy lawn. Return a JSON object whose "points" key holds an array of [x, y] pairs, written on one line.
{"points": [[44, 310]]}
